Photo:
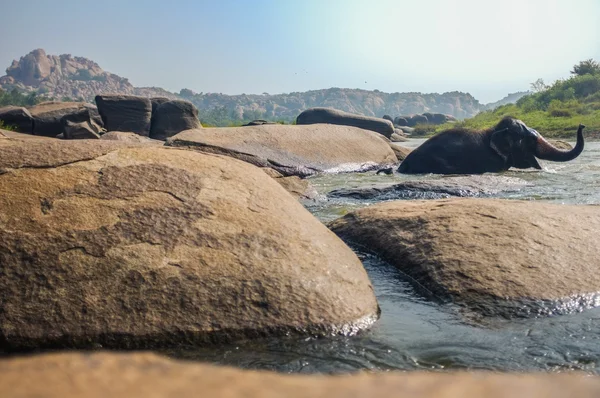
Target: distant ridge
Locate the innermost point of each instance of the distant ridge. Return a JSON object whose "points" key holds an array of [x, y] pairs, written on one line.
{"points": [[77, 78]]}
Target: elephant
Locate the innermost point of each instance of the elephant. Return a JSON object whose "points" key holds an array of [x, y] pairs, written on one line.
{"points": [[508, 144]]}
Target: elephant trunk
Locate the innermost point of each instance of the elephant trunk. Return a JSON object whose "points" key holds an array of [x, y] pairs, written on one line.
{"points": [[545, 150]]}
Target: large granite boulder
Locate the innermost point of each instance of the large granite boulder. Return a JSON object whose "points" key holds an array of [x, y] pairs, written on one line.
{"points": [[334, 116], [438, 118], [294, 150], [130, 245], [17, 118], [401, 121], [173, 117], [417, 119], [80, 125], [47, 116], [496, 256], [125, 113], [144, 375]]}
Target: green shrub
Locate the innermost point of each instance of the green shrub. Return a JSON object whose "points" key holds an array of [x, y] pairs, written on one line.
{"points": [[7, 126]]}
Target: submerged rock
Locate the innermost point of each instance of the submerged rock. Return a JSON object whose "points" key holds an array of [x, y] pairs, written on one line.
{"points": [[334, 116], [134, 246], [462, 186], [503, 257], [138, 375], [294, 150]]}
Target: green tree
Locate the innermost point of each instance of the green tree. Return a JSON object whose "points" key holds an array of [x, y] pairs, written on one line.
{"points": [[538, 86], [587, 67]]}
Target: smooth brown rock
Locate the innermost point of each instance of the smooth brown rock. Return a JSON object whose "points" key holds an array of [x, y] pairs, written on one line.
{"points": [[335, 116], [129, 245], [398, 136], [400, 151], [294, 150], [129, 137], [503, 256], [144, 375], [125, 113]]}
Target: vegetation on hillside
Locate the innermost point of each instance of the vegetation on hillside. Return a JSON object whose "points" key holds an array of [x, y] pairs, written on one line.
{"points": [[555, 110], [14, 97]]}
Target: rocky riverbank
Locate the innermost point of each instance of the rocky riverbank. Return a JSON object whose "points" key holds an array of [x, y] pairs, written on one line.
{"points": [[124, 240]]}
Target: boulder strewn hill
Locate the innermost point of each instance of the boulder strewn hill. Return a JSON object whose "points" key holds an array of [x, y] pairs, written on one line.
{"points": [[65, 76]]}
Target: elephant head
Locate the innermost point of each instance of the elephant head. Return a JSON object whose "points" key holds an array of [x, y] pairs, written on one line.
{"points": [[519, 145]]}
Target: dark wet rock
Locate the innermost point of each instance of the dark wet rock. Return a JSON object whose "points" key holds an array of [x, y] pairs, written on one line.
{"points": [[125, 113], [80, 125], [47, 116], [173, 117], [147, 375], [294, 150], [106, 243], [504, 257], [387, 171], [467, 186], [388, 117], [334, 116], [17, 118]]}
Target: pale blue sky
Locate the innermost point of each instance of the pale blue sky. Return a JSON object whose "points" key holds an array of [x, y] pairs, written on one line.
{"points": [[487, 48]]}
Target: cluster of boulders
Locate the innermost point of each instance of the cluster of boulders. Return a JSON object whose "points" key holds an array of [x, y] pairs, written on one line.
{"points": [[128, 242], [425, 118], [156, 118]]}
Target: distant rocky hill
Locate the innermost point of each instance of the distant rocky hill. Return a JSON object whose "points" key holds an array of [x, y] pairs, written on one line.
{"points": [[64, 76], [509, 99], [364, 102]]}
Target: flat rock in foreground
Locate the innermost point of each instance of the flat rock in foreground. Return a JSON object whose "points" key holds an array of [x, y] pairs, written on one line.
{"points": [[294, 150], [129, 245], [497, 256], [145, 375]]}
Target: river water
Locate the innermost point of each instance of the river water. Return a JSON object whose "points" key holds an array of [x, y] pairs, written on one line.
{"points": [[417, 333]]}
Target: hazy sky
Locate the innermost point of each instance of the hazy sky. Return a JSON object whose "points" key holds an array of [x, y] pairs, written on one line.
{"points": [[487, 48]]}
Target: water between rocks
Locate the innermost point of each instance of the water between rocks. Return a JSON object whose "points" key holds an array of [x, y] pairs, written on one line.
{"points": [[417, 333]]}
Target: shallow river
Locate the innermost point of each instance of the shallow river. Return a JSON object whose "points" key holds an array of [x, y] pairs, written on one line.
{"points": [[417, 333]]}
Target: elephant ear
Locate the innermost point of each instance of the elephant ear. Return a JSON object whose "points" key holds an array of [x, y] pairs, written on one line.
{"points": [[501, 143]]}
